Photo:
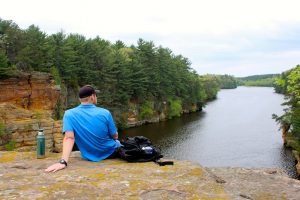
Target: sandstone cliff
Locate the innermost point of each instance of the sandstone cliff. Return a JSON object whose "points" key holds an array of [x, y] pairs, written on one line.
{"points": [[33, 91], [27, 102], [23, 177]]}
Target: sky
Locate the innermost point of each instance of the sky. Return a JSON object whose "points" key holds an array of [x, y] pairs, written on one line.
{"points": [[236, 37]]}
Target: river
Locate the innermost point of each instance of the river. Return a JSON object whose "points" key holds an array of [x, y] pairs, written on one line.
{"points": [[234, 130]]}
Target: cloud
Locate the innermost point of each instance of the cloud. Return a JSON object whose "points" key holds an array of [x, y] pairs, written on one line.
{"points": [[236, 37], [244, 53]]}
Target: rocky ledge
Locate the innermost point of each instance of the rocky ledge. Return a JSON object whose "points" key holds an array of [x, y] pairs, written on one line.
{"points": [[22, 176]]}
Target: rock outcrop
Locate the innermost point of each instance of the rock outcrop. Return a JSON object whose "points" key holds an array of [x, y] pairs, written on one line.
{"points": [[32, 91], [297, 156], [22, 176], [27, 103], [292, 142]]}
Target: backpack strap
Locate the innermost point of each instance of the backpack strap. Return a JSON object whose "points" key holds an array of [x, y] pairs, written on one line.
{"points": [[163, 163]]}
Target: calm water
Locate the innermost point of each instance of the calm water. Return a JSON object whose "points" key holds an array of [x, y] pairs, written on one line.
{"points": [[237, 130]]}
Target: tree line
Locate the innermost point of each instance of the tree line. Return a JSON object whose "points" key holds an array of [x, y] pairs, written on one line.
{"points": [[141, 73], [265, 80]]}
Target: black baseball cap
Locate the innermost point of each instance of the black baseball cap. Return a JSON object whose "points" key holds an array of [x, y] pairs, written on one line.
{"points": [[86, 91]]}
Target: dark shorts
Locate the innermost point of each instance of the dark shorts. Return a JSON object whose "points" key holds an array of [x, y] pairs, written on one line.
{"points": [[114, 155]]}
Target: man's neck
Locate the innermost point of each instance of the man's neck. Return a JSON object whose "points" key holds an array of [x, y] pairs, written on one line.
{"points": [[86, 103]]}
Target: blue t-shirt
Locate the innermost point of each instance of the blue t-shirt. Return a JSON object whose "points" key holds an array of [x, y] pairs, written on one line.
{"points": [[93, 128]]}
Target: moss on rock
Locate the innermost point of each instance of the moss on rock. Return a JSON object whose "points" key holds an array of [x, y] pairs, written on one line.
{"points": [[22, 177]]}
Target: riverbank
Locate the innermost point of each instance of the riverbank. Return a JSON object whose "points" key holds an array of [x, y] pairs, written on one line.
{"points": [[117, 179]]}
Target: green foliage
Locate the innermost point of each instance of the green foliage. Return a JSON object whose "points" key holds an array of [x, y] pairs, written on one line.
{"points": [[3, 61], [266, 80], [175, 108], [280, 85], [258, 77], [146, 110], [284, 120], [6, 71], [33, 52], [38, 116], [122, 122], [10, 146], [295, 121], [143, 72], [289, 84], [227, 81], [11, 41], [211, 86], [293, 142], [58, 112], [2, 129], [293, 87], [55, 73]]}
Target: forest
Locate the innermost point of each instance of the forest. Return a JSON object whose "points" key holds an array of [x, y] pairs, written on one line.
{"points": [[289, 84], [144, 73], [265, 80]]}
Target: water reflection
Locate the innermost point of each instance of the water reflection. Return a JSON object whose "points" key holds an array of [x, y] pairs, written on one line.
{"points": [[235, 130], [166, 133]]}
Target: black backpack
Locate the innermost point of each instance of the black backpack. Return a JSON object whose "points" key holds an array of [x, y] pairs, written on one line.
{"points": [[140, 149]]}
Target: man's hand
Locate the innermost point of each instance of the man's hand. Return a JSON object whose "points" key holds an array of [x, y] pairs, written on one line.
{"points": [[55, 167], [68, 143]]}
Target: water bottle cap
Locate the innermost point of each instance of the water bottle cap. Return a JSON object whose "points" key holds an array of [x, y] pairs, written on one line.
{"points": [[41, 132]]}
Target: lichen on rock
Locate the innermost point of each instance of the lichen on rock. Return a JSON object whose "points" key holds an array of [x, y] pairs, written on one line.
{"points": [[23, 177]]}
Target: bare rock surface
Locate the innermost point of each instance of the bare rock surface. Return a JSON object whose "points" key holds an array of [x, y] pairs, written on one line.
{"points": [[22, 176], [241, 183]]}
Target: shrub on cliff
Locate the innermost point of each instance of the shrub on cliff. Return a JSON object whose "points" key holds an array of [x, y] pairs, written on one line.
{"points": [[2, 128], [10, 146], [175, 108], [55, 73], [146, 110]]}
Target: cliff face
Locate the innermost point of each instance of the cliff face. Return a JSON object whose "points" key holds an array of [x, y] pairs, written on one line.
{"points": [[27, 102], [117, 179], [34, 91]]}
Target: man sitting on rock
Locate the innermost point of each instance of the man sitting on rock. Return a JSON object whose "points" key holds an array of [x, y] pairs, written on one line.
{"points": [[91, 127]]}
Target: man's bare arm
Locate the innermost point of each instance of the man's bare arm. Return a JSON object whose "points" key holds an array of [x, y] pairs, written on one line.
{"points": [[68, 144]]}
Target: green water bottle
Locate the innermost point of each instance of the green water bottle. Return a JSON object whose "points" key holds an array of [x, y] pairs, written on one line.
{"points": [[40, 144]]}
